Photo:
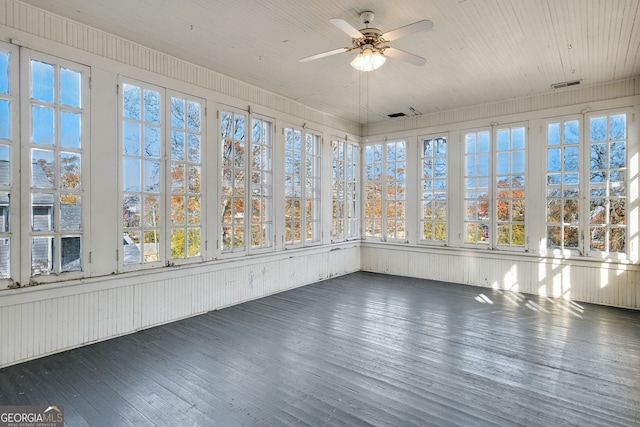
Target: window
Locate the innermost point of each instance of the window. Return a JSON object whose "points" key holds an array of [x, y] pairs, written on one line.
{"points": [[476, 185], [8, 145], [434, 186], [495, 170], [148, 238], [607, 183], [142, 174], [301, 186], [510, 169], [602, 213], [345, 196], [186, 177], [563, 191], [57, 163], [261, 184], [239, 172], [385, 195], [232, 126]]}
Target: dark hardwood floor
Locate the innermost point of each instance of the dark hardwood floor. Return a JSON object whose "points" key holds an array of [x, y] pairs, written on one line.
{"points": [[362, 349]]}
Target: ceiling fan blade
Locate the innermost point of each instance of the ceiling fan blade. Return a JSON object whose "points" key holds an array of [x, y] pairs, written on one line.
{"points": [[346, 27], [323, 54], [395, 53], [416, 27]]}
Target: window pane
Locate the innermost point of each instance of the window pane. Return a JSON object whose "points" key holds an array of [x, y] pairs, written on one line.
{"points": [[553, 134], [5, 169], [5, 205], [70, 212], [151, 106], [70, 253], [131, 138], [42, 81], [177, 145], [70, 129], [571, 158], [618, 155], [131, 174], [618, 127], [4, 119], [42, 212], [69, 87], [4, 72], [178, 244], [194, 148], [177, 113], [132, 248], [5, 258], [598, 129], [43, 168], [131, 213], [177, 178], [572, 132], [151, 176], [131, 106], [41, 255], [42, 125], [193, 116], [151, 141], [70, 170]]}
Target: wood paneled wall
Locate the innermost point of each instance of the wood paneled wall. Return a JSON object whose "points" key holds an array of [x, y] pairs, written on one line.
{"points": [[51, 318], [588, 281]]}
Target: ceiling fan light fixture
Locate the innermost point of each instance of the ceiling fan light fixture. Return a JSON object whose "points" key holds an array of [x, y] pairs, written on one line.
{"points": [[368, 60]]}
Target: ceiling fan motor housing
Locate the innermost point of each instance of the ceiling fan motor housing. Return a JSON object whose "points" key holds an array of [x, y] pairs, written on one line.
{"points": [[367, 17]]}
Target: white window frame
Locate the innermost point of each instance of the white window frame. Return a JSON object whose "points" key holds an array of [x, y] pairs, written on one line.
{"points": [[584, 186], [309, 179], [266, 172], [384, 186], [164, 194], [548, 190], [606, 253], [85, 184], [234, 169], [429, 187], [491, 188], [12, 236], [187, 163], [345, 189]]}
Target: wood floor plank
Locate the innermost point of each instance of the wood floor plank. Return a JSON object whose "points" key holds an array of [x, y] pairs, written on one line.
{"points": [[361, 349]]}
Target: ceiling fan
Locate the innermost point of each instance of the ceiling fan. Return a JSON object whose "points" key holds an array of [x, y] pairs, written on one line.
{"points": [[372, 44]]}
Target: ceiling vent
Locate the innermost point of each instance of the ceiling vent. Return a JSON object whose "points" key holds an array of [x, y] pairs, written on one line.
{"points": [[397, 115], [564, 85]]}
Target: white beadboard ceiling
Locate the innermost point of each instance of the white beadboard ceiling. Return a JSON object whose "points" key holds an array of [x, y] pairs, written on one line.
{"points": [[479, 51]]}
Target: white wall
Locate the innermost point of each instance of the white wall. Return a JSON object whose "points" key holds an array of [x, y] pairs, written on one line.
{"points": [[586, 281]]}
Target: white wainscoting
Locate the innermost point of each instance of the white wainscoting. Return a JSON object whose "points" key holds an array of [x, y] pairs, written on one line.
{"points": [[50, 318], [577, 280]]}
